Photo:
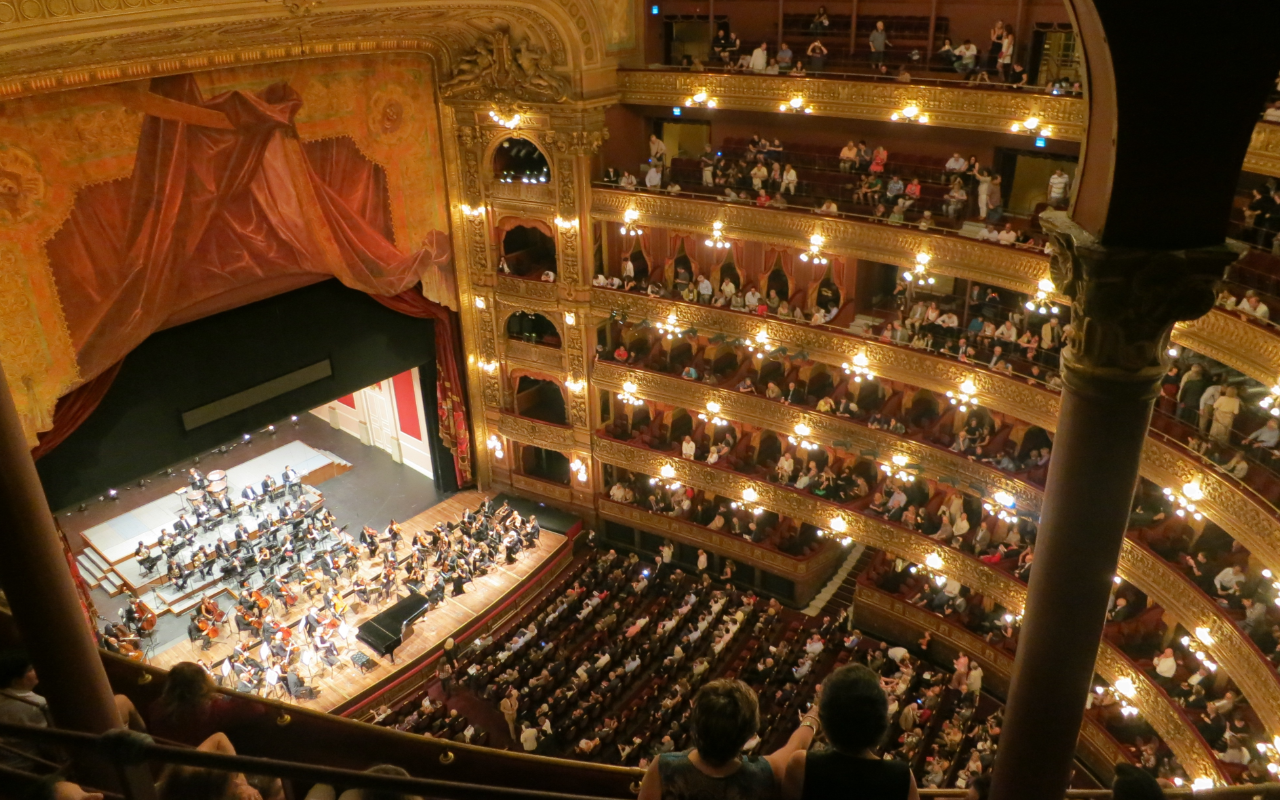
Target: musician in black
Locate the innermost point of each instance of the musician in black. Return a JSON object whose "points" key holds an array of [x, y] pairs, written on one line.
{"points": [[268, 485], [221, 550], [221, 504], [241, 538], [251, 494], [177, 575], [198, 563], [265, 524], [361, 588], [264, 563], [290, 479], [311, 622], [195, 479], [369, 538], [196, 634]]}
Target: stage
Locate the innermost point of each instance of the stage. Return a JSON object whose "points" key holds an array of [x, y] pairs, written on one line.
{"points": [[345, 681]]}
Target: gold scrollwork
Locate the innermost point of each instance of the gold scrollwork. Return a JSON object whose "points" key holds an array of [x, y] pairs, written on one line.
{"points": [[541, 434], [1225, 337]]}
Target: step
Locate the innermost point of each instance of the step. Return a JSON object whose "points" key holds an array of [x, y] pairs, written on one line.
{"points": [[112, 585], [96, 557], [89, 571]]}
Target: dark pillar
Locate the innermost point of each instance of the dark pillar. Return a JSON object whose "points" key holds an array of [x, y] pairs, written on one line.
{"points": [[46, 608], [1124, 304]]}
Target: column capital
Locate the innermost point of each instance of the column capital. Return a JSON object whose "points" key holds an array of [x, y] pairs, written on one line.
{"points": [[1124, 304]]}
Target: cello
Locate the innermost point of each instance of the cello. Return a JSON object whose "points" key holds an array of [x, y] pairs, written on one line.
{"points": [[210, 609], [146, 617]]}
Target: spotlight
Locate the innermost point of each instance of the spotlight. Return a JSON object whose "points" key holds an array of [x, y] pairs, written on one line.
{"points": [[113, 494], [82, 508], [169, 472], [271, 429], [247, 438], [294, 420], [196, 460], [142, 483]]}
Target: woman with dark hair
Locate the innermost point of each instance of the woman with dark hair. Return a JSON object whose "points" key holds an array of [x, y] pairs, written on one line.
{"points": [[190, 709], [854, 713], [725, 717]]}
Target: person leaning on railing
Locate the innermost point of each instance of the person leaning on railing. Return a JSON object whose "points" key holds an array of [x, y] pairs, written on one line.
{"points": [[726, 716]]}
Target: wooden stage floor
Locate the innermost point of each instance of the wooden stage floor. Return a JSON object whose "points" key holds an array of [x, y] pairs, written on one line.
{"points": [[340, 684]]}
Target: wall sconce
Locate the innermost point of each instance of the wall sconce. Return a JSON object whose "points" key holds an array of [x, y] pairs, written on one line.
{"points": [[838, 525], [480, 302], [700, 100], [468, 211], [919, 273], [570, 318], [575, 384], [758, 345], [669, 328], [629, 227], [667, 471], [859, 369], [901, 469], [1272, 401], [750, 495], [579, 468], [1125, 686], [1040, 302], [910, 114], [505, 121], [628, 394], [814, 252], [933, 561], [964, 398], [713, 414], [489, 367], [566, 224], [1032, 126], [495, 444], [717, 239], [796, 105], [1186, 500]]}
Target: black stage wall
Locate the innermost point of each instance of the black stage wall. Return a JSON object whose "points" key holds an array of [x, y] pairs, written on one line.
{"points": [[138, 427]]}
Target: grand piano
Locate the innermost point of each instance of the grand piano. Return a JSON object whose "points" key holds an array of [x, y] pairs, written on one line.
{"points": [[385, 632]]}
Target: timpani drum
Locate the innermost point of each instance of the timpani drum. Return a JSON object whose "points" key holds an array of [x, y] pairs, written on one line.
{"points": [[216, 475], [193, 496], [218, 489]]}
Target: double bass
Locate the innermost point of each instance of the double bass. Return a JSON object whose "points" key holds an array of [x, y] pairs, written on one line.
{"points": [[124, 641], [146, 617]]}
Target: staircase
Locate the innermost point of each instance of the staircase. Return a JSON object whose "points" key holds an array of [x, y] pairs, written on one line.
{"points": [[838, 592], [97, 573]]}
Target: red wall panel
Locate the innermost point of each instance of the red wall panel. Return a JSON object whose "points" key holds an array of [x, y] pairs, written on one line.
{"points": [[407, 405]]}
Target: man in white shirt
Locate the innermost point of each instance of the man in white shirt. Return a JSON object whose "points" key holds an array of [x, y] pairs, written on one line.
{"points": [[966, 57], [1166, 665], [688, 448], [529, 738], [760, 57], [1008, 235], [752, 299], [1228, 581], [848, 155], [657, 150], [704, 289], [956, 163], [1059, 181], [788, 180], [1253, 306], [988, 234], [653, 178]]}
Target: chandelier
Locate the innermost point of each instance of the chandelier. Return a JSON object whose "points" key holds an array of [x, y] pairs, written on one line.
{"points": [[712, 414], [701, 100], [759, 345], [628, 394], [565, 224], [910, 114], [629, 227], [489, 367], [799, 439], [506, 121], [796, 105], [964, 398], [717, 239], [1032, 126], [468, 211], [859, 368], [1203, 638], [749, 495], [814, 253], [669, 328], [919, 273], [1272, 401], [1003, 505], [667, 472], [575, 384], [1041, 301], [1186, 500]]}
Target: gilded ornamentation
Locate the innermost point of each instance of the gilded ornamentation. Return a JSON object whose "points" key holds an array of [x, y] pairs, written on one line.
{"points": [[1264, 150], [1189, 606], [539, 193], [521, 288], [826, 429], [1226, 338], [505, 72], [301, 8], [531, 431], [539, 488], [951, 255], [577, 143], [1125, 303], [741, 550], [947, 106], [21, 184], [536, 355]]}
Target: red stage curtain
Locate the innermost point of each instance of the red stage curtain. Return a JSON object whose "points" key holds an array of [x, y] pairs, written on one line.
{"points": [[74, 408], [211, 210], [451, 388]]}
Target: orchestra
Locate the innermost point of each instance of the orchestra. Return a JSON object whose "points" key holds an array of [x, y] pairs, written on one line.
{"points": [[302, 554]]}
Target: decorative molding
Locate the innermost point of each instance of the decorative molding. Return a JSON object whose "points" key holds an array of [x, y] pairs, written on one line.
{"points": [[754, 410], [1264, 150], [1233, 650], [1248, 518], [506, 72], [1252, 348], [544, 358], [961, 256], [990, 109], [742, 550], [541, 488], [534, 432], [539, 193], [519, 289]]}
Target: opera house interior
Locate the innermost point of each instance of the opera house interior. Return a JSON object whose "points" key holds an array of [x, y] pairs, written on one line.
{"points": [[673, 399]]}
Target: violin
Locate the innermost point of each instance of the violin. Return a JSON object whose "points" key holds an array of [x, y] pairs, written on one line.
{"points": [[339, 605], [146, 617]]}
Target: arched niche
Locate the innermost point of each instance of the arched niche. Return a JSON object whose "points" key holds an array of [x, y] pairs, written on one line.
{"points": [[528, 250], [540, 398], [777, 281], [516, 159], [549, 465], [681, 426], [532, 327]]}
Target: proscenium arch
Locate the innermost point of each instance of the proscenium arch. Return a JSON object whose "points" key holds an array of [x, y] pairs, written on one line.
{"points": [[140, 42]]}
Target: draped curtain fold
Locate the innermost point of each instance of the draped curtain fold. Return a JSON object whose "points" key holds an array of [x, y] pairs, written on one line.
{"points": [[226, 206]]}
